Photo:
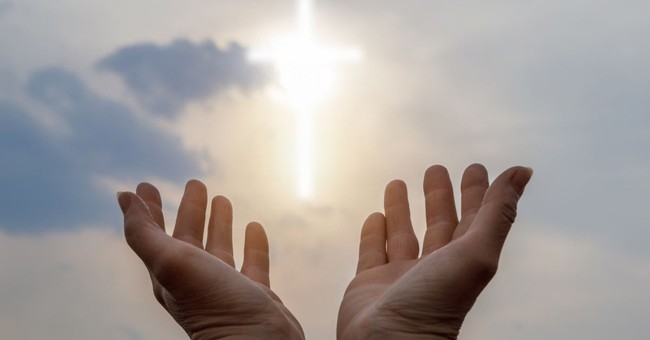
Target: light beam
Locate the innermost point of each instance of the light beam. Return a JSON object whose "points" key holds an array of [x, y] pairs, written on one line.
{"points": [[306, 74]]}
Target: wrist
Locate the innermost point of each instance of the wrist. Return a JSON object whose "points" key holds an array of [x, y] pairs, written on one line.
{"points": [[245, 332], [375, 325]]}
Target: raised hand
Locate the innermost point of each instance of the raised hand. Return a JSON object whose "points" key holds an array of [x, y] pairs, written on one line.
{"points": [[198, 286], [400, 294]]}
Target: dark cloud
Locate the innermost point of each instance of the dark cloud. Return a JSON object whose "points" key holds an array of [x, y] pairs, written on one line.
{"points": [[47, 181], [165, 78]]}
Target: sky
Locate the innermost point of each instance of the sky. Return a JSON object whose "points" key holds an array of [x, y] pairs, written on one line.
{"points": [[96, 97]]}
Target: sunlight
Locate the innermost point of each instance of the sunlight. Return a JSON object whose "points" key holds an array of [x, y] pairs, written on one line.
{"points": [[306, 73], [305, 70], [304, 154]]}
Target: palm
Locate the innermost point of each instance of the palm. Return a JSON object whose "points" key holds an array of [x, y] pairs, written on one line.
{"points": [[398, 293], [411, 289], [200, 287], [209, 284]]}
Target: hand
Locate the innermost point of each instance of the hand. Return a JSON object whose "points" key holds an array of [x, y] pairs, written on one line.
{"points": [[201, 288], [398, 295]]}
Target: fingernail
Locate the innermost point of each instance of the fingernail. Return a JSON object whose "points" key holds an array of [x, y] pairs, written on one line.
{"points": [[521, 178], [124, 200]]}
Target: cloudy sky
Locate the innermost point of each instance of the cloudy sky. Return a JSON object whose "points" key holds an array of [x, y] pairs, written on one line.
{"points": [[96, 97]]}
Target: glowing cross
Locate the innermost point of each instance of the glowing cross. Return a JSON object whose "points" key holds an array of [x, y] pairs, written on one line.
{"points": [[306, 73]]}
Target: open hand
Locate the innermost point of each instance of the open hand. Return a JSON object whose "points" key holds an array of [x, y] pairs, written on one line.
{"points": [[400, 294], [198, 286]]}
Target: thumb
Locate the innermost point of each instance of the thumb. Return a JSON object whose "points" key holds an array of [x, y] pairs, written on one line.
{"points": [[499, 208], [140, 230], [124, 200], [128, 200]]}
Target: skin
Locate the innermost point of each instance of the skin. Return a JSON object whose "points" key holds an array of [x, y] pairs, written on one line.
{"points": [[400, 293], [397, 293], [197, 282]]}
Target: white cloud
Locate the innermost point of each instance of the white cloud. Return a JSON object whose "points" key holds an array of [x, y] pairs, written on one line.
{"points": [[553, 285], [77, 285], [440, 83]]}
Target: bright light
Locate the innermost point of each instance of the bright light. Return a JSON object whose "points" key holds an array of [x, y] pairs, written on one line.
{"points": [[305, 69], [304, 154], [306, 75]]}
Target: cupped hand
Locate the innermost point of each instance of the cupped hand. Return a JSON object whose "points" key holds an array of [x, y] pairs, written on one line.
{"points": [[399, 293], [198, 284]]}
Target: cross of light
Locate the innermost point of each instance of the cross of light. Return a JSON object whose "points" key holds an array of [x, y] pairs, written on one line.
{"points": [[306, 74]]}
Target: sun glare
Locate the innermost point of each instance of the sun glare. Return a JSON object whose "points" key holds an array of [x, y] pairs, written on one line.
{"points": [[304, 70], [306, 73]]}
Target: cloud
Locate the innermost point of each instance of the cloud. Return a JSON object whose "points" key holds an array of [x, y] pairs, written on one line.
{"points": [[77, 285], [50, 180], [165, 78], [552, 285], [567, 97], [5, 5], [579, 100]]}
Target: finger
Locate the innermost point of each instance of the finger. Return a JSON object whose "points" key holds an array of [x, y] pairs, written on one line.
{"points": [[473, 187], [401, 241], [142, 233], [190, 220], [499, 209], [166, 258], [372, 246], [151, 197], [440, 209], [219, 241], [256, 254]]}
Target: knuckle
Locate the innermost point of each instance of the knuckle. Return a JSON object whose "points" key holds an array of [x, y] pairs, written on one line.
{"points": [[372, 257], [157, 293], [485, 268], [509, 209], [133, 226], [171, 264]]}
